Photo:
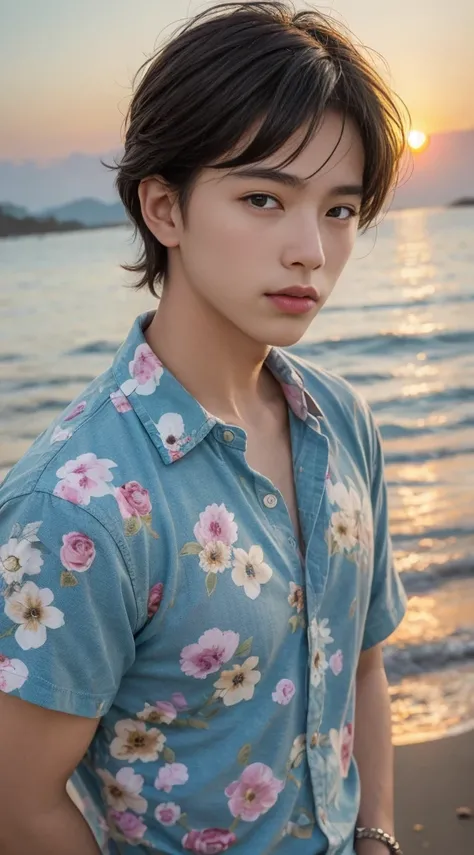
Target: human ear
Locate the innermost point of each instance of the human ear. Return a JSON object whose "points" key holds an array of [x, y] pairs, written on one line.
{"points": [[160, 210]]}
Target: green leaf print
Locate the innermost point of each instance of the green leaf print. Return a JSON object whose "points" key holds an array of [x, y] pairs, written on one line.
{"points": [[211, 582], [132, 525], [243, 756], [191, 549], [168, 755], [68, 580], [244, 648], [147, 521]]}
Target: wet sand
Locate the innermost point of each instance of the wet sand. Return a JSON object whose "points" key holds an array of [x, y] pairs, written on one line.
{"points": [[433, 780]]}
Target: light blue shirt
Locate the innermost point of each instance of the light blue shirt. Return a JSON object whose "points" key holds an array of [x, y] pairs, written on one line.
{"points": [[152, 580]]}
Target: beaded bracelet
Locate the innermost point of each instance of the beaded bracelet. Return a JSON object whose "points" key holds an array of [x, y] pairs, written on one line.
{"points": [[379, 834]]}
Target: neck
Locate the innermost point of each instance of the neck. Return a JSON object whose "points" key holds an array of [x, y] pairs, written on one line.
{"points": [[218, 364]]}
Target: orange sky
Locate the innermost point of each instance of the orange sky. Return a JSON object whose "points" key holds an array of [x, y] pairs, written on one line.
{"points": [[68, 67]]}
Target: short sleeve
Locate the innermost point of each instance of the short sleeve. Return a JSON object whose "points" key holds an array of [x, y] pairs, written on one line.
{"points": [[388, 601], [67, 606]]}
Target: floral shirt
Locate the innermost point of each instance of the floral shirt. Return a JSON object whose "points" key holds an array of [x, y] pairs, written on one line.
{"points": [[151, 579]]}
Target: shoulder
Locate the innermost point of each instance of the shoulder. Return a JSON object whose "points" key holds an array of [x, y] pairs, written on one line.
{"points": [[85, 474]]}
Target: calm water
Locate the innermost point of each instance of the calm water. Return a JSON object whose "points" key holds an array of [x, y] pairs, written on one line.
{"points": [[400, 327]]}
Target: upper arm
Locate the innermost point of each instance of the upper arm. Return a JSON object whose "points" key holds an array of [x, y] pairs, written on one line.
{"points": [[68, 614], [39, 750]]}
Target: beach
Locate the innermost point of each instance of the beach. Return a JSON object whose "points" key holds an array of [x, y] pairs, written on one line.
{"points": [[433, 780], [400, 328]]}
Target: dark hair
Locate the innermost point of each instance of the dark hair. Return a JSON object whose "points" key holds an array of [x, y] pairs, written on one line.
{"points": [[237, 66]]}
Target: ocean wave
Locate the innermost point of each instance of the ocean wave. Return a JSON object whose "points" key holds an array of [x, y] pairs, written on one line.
{"points": [[450, 395], [94, 347], [437, 575], [387, 342], [433, 656], [423, 456]]}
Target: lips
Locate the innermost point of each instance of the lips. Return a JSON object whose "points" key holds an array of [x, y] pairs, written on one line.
{"points": [[307, 292]]}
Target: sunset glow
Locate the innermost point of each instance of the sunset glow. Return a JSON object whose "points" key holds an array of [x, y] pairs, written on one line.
{"points": [[417, 140]]}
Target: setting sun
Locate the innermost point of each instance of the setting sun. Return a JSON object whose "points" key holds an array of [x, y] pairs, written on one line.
{"points": [[417, 140]]}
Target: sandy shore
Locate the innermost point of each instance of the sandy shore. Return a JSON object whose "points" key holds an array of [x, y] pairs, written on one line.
{"points": [[432, 780]]}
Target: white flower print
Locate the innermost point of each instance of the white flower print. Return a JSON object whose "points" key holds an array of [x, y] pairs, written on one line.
{"points": [[145, 372], [123, 791], [18, 557], [60, 434], [320, 636], [321, 633], [343, 532], [171, 429], [298, 750], [352, 524], [250, 571], [31, 608], [134, 742], [13, 673], [319, 665], [215, 557], [239, 684]]}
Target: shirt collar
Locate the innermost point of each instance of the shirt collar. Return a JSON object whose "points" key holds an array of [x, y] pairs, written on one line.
{"points": [[175, 421]]}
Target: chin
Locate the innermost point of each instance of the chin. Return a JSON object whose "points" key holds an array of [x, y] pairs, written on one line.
{"points": [[284, 334]]}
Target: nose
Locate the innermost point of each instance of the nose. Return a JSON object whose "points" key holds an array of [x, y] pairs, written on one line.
{"points": [[305, 249]]}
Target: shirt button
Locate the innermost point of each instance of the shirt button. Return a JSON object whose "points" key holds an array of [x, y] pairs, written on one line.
{"points": [[270, 500], [228, 436]]}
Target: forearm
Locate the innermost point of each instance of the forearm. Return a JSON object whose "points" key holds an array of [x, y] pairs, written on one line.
{"points": [[62, 831], [374, 755]]}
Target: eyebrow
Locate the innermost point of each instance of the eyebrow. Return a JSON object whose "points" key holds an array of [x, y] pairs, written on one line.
{"points": [[289, 180]]}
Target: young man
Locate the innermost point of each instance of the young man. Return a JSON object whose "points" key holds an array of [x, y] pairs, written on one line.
{"points": [[195, 557]]}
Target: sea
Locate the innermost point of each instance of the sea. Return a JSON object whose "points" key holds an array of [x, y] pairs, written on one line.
{"points": [[399, 326]]}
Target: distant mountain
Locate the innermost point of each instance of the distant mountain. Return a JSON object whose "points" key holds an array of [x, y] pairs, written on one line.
{"points": [[89, 212], [436, 176], [13, 226], [13, 210]]}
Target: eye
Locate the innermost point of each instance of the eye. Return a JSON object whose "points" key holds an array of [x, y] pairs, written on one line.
{"points": [[260, 198], [346, 212]]}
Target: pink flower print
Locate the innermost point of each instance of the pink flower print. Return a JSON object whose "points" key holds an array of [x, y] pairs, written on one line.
{"points": [[336, 662], [78, 409], [155, 596], [296, 399], [343, 745], [128, 824], [216, 523], [285, 690], [179, 701], [84, 478], [170, 775], [133, 500], [210, 841], [145, 372], [255, 792], [13, 673], [71, 494], [168, 813], [213, 649], [120, 402], [77, 552]]}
